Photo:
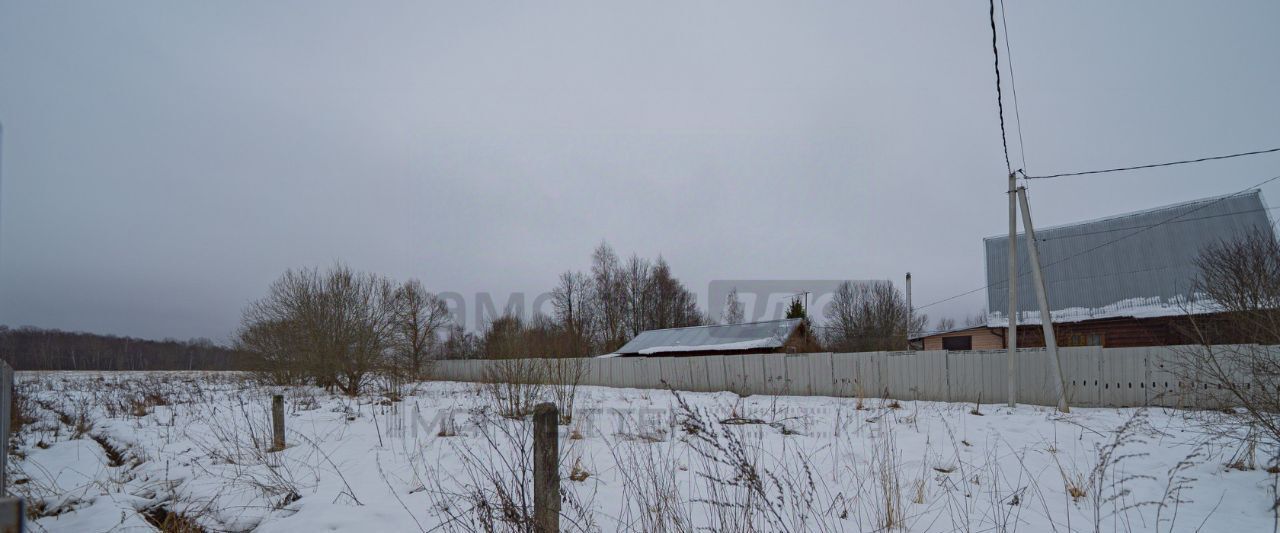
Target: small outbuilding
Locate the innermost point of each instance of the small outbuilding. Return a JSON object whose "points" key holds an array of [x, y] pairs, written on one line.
{"points": [[771, 336]]}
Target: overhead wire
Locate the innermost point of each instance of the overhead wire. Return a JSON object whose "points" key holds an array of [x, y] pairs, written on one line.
{"points": [[995, 50], [1013, 86], [1152, 165]]}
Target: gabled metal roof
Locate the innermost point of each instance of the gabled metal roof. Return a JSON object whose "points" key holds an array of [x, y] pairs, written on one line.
{"points": [[1132, 264], [763, 335]]}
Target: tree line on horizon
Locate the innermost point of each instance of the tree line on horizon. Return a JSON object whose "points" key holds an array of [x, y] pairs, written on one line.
{"points": [[338, 327], [33, 348]]}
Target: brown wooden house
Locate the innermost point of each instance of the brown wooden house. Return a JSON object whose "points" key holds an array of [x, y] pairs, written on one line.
{"points": [[1109, 332]]}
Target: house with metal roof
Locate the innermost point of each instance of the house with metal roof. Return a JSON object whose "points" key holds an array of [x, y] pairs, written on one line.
{"points": [[1124, 280], [772, 336]]}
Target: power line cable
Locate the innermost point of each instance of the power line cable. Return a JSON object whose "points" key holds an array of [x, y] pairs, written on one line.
{"points": [[1103, 245], [1153, 165], [995, 50], [1013, 84]]}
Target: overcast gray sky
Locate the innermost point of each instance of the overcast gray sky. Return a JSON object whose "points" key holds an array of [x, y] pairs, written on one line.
{"points": [[163, 162]]}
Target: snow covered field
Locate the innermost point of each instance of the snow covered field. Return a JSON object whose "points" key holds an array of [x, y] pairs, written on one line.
{"points": [[129, 451]]}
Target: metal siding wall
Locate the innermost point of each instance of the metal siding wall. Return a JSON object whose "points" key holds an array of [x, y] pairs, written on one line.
{"points": [[1035, 380], [698, 374], [600, 372], [677, 372], [1123, 272], [896, 368], [844, 373], [962, 377], [871, 383], [995, 376], [1080, 368], [716, 380], [1096, 377], [821, 377], [1166, 389], [755, 378], [652, 374], [630, 371], [775, 368], [735, 373], [1125, 370], [798, 382], [934, 365]]}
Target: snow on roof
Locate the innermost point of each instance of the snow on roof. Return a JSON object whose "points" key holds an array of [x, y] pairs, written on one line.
{"points": [[1150, 307], [749, 336]]}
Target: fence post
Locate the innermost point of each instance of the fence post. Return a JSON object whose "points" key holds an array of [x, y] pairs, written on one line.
{"points": [[277, 422], [11, 512], [6, 417], [546, 469]]}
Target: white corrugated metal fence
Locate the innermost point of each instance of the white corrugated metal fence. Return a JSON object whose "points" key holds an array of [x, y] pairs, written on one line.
{"points": [[1114, 377]]}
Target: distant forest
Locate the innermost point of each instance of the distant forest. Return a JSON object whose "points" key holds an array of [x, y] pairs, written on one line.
{"points": [[29, 348]]}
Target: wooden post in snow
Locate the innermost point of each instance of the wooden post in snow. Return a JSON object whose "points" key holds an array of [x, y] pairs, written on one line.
{"points": [[277, 422], [1046, 318], [11, 514], [546, 469]]}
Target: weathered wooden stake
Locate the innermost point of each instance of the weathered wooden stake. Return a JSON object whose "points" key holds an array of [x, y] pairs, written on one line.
{"points": [[11, 515], [277, 422], [546, 469]]}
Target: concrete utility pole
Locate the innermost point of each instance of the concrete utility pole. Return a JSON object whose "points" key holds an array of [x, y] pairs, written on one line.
{"points": [[1011, 337], [1046, 319], [911, 311]]}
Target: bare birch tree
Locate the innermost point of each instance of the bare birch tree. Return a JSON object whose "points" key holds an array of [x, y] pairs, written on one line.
{"points": [[419, 316], [733, 309]]}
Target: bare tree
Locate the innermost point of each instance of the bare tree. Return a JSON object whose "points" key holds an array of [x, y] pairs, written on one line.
{"points": [[871, 316], [572, 300], [610, 295], [418, 316], [361, 315], [504, 338], [459, 344], [637, 280], [335, 328], [733, 309], [1233, 365], [946, 324], [978, 318], [673, 305]]}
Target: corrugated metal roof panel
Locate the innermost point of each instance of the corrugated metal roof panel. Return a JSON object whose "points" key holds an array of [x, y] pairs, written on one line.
{"points": [[772, 333], [1147, 256]]}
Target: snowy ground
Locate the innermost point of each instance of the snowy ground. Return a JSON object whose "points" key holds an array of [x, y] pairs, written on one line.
{"points": [[127, 451]]}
